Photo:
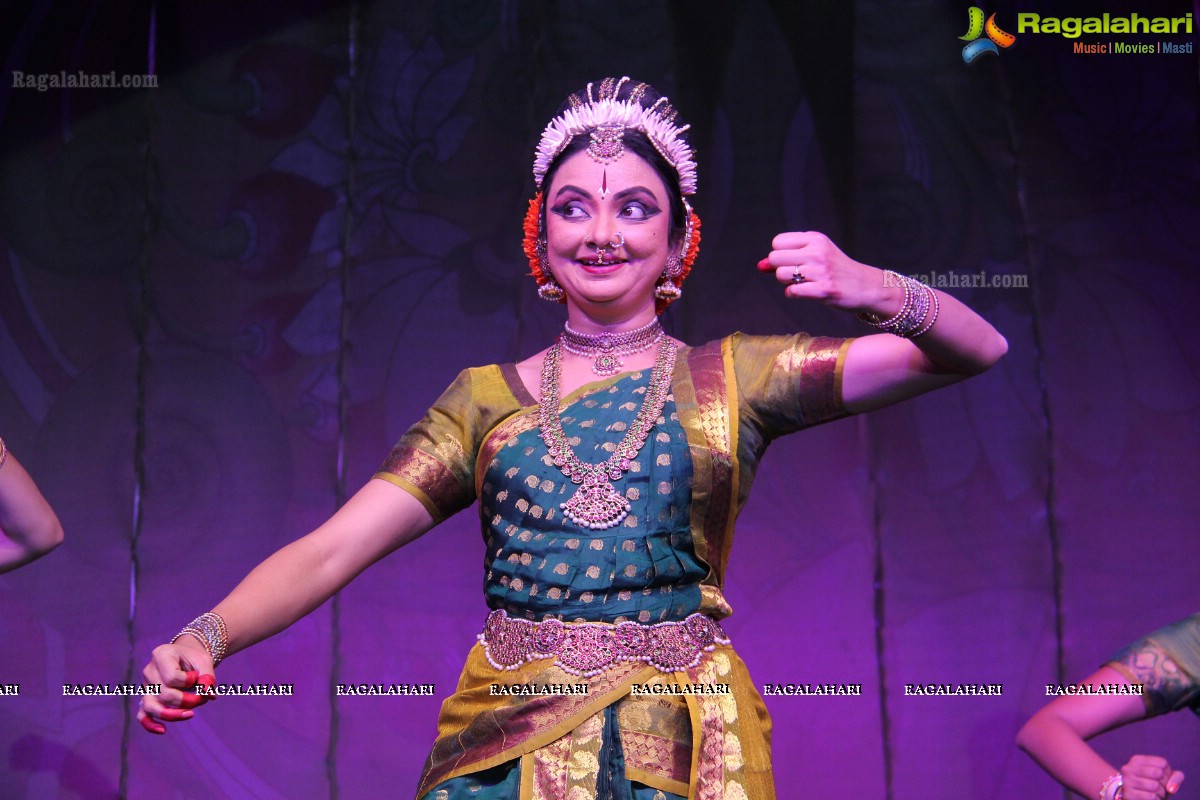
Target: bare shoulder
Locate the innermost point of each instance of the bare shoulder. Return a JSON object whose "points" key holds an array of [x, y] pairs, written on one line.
{"points": [[530, 370], [533, 364]]}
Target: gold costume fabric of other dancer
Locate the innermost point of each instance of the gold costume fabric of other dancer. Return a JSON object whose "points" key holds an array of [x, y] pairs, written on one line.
{"points": [[1167, 664]]}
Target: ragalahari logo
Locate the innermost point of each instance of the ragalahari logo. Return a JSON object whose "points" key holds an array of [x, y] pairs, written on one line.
{"points": [[976, 27]]}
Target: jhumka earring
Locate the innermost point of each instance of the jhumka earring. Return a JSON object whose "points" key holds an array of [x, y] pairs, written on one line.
{"points": [[666, 289], [549, 291]]}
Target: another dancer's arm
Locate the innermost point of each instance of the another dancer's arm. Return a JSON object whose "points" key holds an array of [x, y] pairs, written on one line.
{"points": [[380, 518], [29, 528], [1056, 738]]}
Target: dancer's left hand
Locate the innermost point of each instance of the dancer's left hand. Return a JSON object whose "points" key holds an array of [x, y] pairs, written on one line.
{"points": [[829, 275]]}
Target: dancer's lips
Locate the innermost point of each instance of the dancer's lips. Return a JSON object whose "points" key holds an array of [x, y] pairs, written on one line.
{"points": [[594, 266]]}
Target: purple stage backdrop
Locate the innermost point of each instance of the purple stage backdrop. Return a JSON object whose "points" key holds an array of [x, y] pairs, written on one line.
{"points": [[223, 298]]}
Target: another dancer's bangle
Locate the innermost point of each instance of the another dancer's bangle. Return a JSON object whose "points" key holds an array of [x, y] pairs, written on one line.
{"points": [[210, 629], [920, 304], [1113, 787], [3, 453]]}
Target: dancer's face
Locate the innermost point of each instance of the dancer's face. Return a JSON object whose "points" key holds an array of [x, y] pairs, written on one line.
{"points": [[607, 232]]}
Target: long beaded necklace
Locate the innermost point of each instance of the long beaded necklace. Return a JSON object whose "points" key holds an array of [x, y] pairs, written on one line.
{"points": [[607, 348], [596, 504]]}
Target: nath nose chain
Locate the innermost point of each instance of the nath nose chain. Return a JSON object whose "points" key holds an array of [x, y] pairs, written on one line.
{"points": [[606, 250]]}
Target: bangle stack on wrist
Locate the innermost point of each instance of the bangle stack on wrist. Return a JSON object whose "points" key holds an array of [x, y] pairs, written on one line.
{"points": [[915, 317], [1113, 787], [210, 629]]}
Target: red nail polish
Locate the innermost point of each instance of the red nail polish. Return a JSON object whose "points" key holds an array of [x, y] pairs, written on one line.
{"points": [[152, 727]]}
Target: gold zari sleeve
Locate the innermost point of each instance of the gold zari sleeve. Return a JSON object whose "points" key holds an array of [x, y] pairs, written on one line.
{"points": [[435, 459], [788, 383]]}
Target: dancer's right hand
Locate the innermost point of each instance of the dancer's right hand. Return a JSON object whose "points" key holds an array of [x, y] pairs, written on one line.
{"points": [[1149, 778], [177, 668]]}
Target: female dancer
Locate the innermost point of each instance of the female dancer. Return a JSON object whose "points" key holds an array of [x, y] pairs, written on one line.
{"points": [[1166, 667], [609, 469]]}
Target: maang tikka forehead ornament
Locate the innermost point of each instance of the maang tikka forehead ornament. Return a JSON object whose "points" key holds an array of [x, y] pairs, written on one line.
{"points": [[605, 119]]}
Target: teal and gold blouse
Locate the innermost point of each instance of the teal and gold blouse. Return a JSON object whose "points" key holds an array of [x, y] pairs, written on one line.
{"points": [[729, 399], [541, 564]]}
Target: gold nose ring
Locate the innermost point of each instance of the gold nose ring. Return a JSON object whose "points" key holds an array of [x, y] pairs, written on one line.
{"points": [[609, 246]]}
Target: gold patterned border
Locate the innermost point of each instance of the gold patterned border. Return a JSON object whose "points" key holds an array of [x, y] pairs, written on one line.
{"points": [[411, 469], [526, 725], [711, 417], [821, 379]]}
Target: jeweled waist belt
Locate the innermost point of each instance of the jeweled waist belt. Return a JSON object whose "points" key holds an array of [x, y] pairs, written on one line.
{"points": [[588, 648]]}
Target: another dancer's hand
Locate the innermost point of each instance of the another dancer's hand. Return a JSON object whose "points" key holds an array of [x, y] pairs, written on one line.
{"points": [[179, 668], [810, 265], [1149, 778]]}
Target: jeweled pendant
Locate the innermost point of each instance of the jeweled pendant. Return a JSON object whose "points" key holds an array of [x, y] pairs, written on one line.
{"points": [[596, 505], [606, 364]]}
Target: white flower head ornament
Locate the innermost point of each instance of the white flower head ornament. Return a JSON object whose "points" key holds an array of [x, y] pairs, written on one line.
{"points": [[605, 119]]}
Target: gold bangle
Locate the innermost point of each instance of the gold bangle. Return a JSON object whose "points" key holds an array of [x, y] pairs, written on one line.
{"points": [[1112, 788], [210, 629]]}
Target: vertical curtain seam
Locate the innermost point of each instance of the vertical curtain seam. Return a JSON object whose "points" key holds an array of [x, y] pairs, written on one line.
{"points": [[1051, 494], [878, 592], [343, 395], [879, 605], [142, 322], [1050, 500]]}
